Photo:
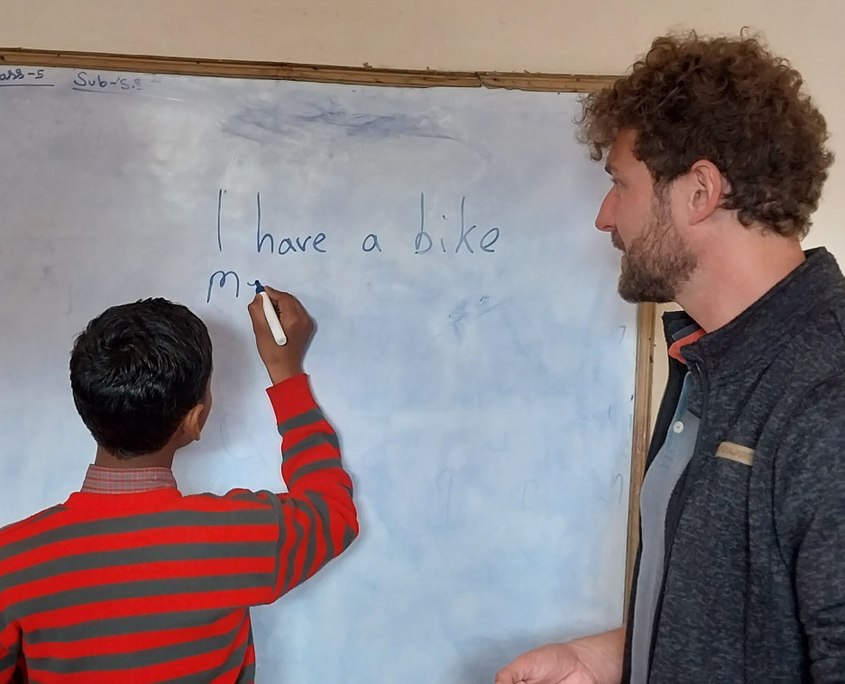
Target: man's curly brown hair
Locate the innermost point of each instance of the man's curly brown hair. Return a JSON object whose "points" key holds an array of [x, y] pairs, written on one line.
{"points": [[732, 102]]}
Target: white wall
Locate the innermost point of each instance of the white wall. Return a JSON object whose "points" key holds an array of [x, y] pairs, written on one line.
{"points": [[558, 36]]}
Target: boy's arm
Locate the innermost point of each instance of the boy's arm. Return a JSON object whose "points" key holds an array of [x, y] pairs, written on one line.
{"points": [[318, 517], [9, 652]]}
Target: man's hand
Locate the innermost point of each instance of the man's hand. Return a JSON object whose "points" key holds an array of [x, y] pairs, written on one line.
{"points": [[281, 361], [591, 660]]}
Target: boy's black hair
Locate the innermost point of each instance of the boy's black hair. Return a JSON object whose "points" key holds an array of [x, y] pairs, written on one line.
{"points": [[136, 370]]}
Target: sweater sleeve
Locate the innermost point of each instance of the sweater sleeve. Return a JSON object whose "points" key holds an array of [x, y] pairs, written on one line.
{"points": [[810, 523], [10, 648], [318, 516]]}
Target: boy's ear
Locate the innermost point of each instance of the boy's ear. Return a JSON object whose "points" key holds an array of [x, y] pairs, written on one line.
{"points": [[194, 421]]}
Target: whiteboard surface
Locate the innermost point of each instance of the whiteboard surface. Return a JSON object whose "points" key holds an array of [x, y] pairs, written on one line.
{"points": [[471, 349]]}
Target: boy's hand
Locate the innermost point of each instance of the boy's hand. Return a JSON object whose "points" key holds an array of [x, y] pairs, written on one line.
{"points": [[281, 361]]}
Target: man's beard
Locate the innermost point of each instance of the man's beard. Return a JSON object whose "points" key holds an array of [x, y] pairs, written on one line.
{"points": [[657, 263]]}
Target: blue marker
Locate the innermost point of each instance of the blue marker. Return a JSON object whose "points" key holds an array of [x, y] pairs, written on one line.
{"points": [[271, 315]]}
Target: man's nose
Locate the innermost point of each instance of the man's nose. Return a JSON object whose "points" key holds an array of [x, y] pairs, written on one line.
{"points": [[606, 219]]}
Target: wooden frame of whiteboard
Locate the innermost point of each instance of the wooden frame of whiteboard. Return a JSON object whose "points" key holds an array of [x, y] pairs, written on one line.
{"points": [[571, 83]]}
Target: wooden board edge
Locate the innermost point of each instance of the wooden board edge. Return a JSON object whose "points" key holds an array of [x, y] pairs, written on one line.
{"points": [[646, 318], [302, 72]]}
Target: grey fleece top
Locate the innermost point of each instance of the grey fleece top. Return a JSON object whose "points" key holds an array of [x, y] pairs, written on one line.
{"points": [[754, 569]]}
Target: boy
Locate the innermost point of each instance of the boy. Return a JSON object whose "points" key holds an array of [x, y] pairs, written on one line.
{"points": [[129, 580]]}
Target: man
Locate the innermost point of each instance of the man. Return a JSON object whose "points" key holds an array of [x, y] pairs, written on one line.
{"points": [[129, 580], [717, 161]]}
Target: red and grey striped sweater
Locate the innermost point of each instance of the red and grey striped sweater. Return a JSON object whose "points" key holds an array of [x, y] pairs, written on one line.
{"points": [[155, 586]]}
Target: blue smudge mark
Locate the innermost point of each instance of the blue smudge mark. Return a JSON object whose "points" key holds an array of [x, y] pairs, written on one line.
{"points": [[253, 122], [380, 125]]}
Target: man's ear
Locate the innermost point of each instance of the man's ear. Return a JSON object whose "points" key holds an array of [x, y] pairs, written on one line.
{"points": [[194, 421], [706, 187]]}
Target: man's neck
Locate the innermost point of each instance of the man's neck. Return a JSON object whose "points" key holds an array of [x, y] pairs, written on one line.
{"points": [[732, 277]]}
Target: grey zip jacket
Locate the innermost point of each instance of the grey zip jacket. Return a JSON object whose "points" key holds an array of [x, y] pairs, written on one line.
{"points": [[754, 573]]}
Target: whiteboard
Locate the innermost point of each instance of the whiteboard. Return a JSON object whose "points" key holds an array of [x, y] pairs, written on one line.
{"points": [[471, 349]]}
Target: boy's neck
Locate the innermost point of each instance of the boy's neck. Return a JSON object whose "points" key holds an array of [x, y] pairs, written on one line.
{"points": [[155, 459]]}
